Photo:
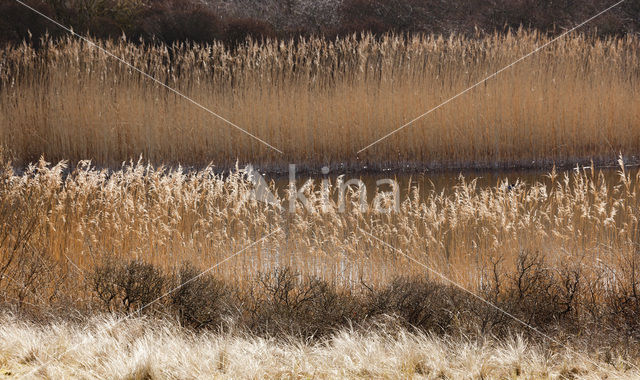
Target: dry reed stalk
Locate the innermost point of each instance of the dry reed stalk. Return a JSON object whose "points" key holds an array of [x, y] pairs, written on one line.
{"points": [[320, 102], [168, 216]]}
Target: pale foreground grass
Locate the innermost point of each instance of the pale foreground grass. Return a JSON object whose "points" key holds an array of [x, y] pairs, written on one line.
{"points": [[320, 101], [150, 349]]}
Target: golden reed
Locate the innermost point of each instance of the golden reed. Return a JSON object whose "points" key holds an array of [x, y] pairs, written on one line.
{"points": [[167, 217], [320, 101]]}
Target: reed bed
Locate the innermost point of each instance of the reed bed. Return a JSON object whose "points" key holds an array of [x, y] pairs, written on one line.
{"points": [[74, 219], [560, 254], [321, 101], [143, 349]]}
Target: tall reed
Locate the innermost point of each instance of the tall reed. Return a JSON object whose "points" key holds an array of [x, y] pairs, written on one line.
{"points": [[321, 101], [168, 216]]}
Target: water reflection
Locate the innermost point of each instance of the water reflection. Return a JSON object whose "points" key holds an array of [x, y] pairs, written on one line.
{"points": [[428, 182]]}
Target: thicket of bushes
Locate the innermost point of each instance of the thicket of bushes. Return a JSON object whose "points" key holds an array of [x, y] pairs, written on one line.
{"points": [[556, 301], [234, 20]]}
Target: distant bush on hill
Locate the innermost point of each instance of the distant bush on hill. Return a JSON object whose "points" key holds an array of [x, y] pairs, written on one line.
{"points": [[177, 20], [234, 20]]}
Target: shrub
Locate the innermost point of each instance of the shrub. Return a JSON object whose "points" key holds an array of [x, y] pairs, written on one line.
{"points": [[18, 23], [180, 20], [376, 16], [201, 301], [127, 286], [423, 304], [283, 303], [623, 298], [536, 293], [237, 31]]}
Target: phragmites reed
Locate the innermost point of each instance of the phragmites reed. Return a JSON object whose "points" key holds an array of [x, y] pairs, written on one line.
{"points": [[321, 101], [168, 216]]}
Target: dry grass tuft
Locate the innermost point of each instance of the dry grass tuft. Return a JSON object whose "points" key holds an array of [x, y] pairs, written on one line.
{"points": [[151, 349]]}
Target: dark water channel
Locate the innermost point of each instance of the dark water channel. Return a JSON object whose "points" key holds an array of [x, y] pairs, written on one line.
{"points": [[429, 182]]}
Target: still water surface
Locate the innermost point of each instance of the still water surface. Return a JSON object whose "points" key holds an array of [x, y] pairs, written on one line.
{"points": [[429, 182]]}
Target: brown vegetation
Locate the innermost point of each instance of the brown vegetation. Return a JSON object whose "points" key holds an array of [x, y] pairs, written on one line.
{"points": [[206, 21], [560, 255], [556, 261], [321, 102]]}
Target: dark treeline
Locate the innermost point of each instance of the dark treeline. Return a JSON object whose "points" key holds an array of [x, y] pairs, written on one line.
{"points": [[235, 20]]}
